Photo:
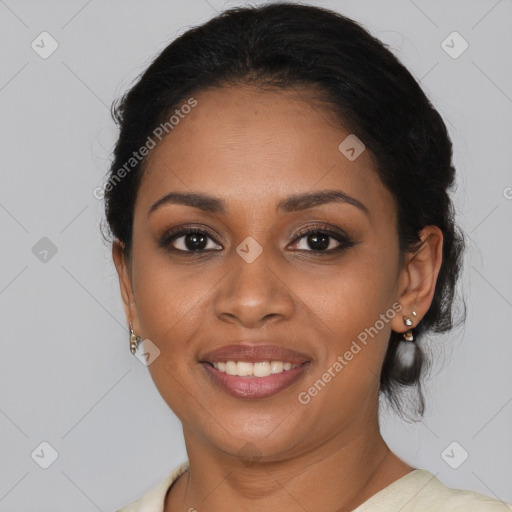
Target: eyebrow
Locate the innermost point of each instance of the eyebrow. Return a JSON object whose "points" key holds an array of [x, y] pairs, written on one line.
{"points": [[292, 203]]}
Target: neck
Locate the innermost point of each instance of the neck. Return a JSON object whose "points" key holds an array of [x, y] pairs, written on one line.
{"points": [[343, 473]]}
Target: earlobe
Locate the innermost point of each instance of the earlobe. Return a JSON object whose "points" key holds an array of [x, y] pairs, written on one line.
{"points": [[421, 271]]}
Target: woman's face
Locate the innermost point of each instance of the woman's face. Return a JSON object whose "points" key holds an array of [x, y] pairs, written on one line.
{"points": [[257, 279]]}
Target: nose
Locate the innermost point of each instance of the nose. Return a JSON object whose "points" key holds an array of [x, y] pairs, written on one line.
{"points": [[253, 294]]}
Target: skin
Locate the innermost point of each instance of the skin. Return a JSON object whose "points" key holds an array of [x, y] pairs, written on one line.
{"points": [[251, 148]]}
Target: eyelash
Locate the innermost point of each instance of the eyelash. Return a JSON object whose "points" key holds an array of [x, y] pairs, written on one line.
{"points": [[170, 236]]}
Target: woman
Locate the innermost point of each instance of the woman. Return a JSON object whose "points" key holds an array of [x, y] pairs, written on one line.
{"points": [[284, 239]]}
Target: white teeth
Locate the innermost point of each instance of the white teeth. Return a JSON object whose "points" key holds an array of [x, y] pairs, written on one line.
{"points": [[261, 369], [244, 369], [258, 369], [276, 366], [230, 367]]}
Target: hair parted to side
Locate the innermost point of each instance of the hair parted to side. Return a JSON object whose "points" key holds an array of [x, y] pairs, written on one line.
{"points": [[362, 84]]}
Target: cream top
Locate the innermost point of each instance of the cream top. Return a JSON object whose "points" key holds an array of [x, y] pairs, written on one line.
{"points": [[418, 491]]}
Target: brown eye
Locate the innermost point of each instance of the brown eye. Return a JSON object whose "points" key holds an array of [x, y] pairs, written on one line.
{"points": [[188, 239], [317, 242], [322, 240]]}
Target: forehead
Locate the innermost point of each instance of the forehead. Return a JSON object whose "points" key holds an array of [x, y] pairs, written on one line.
{"points": [[247, 144]]}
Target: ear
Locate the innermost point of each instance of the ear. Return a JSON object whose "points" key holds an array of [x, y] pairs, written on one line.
{"points": [[418, 278], [122, 266]]}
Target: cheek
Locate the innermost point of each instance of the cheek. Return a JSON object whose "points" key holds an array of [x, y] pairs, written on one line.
{"points": [[170, 298], [353, 313], [354, 310], [353, 295], [171, 302]]}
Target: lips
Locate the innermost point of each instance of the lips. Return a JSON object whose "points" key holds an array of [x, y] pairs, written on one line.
{"points": [[253, 354], [254, 387], [251, 386]]}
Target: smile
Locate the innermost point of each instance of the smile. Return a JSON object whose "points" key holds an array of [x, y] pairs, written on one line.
{"points": [[260, 379], [257, 369]]}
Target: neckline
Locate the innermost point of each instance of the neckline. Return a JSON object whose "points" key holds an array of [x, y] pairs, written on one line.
{"points": [[422, 475], [173, 477], [418, 479]]}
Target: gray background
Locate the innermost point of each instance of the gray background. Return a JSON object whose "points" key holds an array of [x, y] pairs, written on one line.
{"points": [[66, 373]]}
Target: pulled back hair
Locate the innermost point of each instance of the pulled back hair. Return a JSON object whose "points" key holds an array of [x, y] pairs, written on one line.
{"points": [[364, 86]]}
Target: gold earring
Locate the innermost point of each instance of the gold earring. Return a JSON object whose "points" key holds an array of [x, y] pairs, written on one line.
{"points": [[134, 340], [408, 336]]}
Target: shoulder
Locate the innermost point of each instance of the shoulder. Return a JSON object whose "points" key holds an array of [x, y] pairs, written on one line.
{"points": [[432, 494], [421, 491], [153, 500]]}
